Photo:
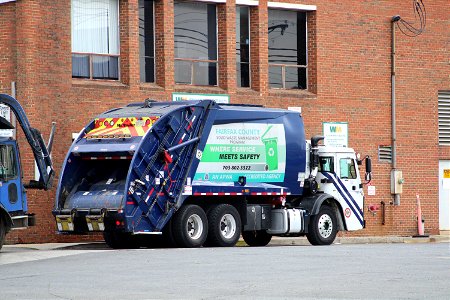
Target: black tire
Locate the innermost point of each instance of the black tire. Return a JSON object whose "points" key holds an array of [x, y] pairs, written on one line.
{"points": [[167, 235], [120, 240], [256, 238], [190, 226], [224, 226], [322, 227], [2, 233]]}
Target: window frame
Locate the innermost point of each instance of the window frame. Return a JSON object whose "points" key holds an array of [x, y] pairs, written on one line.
{"points": [[91, 55], [284, 66], [11, 157], [193, 61], [329, 161]]}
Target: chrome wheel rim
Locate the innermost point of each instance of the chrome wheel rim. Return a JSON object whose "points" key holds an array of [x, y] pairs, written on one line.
{"points": [[325, 226], [227, 226], [194, 227]]}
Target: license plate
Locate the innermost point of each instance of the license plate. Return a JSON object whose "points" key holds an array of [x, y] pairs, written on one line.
{"points": [[95, 223], [64, 223]]}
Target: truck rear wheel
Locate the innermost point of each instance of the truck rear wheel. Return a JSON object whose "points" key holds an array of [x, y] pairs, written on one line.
{"points": [[224, 225], [2, 233], [190, 226], [256, 238], [322, 227]]}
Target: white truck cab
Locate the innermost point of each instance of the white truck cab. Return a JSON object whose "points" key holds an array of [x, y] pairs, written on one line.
{"points": [[339, 176]]}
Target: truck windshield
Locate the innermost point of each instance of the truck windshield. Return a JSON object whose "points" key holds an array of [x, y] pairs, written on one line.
{"points": [[326, 164], [8, 168]]}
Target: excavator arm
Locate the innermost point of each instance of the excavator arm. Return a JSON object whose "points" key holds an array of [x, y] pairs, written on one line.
{"points": [[41, 152]]}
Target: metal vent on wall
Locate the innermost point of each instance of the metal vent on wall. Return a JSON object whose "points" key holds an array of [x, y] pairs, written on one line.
{"points": [[444, 118], [385, 153]]}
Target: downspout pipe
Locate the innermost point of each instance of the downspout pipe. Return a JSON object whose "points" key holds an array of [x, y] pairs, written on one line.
{"points": [[394, 20]]}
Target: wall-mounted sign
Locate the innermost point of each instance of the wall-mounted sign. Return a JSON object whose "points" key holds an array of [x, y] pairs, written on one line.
{"points": [[371, 190], [336, 134], [219, 98], [446, 179], [5, 113]]}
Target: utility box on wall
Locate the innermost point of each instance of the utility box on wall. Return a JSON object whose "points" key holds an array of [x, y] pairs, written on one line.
{"points": [[396, 182]]}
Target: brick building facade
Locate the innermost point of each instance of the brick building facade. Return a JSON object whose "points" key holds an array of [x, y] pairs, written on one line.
{"points": [[346, 69]]}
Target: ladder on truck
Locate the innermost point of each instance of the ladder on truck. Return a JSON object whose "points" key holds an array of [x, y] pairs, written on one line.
{"points": [[160, 168]]}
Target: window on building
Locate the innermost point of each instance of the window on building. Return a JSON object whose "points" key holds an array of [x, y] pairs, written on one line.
{"points": [[195, 43], [95, 39], [242, 46], [287, 49], [146, 41]]}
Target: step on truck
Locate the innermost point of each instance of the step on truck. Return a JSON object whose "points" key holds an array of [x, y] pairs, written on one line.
{"points": [[13, 199], [201, 173]]}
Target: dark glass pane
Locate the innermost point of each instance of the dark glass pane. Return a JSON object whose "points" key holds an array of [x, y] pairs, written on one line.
{"points": [[238, 34], [301, 39], [295, 78], [146, 41], [212, 75], [283, 37], [244, 38], [147, 69], [192, 27], [275, 77], [242, 45], [243, 74], [105, 67], [80, 66], [182, 72], [212, 32]]}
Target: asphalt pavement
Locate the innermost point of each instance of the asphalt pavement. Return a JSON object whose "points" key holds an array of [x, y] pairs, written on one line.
{"points": [[353, 271]]}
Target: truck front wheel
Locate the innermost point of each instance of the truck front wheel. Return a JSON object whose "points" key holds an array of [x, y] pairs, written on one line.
{"points": [[224, 225], [190, 226], [322, 227], [256, 238], [2, 233]]}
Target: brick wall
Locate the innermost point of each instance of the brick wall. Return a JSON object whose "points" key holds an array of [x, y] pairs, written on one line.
{"points": [[7, 46], [349, 81]]}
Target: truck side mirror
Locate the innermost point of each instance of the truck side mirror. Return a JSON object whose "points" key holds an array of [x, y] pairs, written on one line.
{"points": [[242, 180], [368, 168], [368, 164]]}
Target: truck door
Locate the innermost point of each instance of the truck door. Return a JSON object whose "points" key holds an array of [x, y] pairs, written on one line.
{"points": [[11, 189], [339, 177], [349, 176]]}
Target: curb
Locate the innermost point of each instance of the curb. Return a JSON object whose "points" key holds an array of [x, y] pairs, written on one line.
{"points": [[302, 241], [276, 241]]}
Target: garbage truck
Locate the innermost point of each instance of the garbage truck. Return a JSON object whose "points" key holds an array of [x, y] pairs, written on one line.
{"points": [[13, 199], [202, 173]]}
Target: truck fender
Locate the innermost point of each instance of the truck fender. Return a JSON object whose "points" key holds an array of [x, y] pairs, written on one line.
{"points": [[313, 203], [4, 215]]}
